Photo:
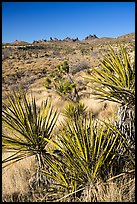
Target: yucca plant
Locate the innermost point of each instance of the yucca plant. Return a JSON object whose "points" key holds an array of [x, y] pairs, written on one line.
{"points": [[81, 153], [27, 126], [64, 87], [75, 111], [63, 83], [114, 81]]}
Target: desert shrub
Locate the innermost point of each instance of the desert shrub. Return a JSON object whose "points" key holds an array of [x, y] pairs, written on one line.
{"points": [[47, 83], [79, 67], [6, 53], [75, 110], [86, 50], [69, 51], [65, 89], [114, 80], [29, 124], [63, 83], [84, 151]]}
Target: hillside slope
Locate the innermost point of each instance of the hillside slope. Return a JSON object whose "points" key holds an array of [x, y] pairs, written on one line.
{"points": [[30, 64]]}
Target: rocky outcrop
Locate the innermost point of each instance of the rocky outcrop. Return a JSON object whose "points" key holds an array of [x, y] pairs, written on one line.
{"points": [[71, 39], [91, 37], [67, 39], [39, 41]]}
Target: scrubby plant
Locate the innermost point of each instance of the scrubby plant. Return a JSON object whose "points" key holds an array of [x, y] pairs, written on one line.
{"points": [[80, 66], [62, 68], [114, 81], [47, 83], [64, 87], [63, 83], [75, 110], [83, 152], [86, 50], [27, 126]]}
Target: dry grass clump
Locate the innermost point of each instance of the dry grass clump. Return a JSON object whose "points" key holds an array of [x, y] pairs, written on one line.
{"points": [[15, 178], [122, 190], [79, 66]]}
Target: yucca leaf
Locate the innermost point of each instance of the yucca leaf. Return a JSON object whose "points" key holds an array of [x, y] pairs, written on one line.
{"points": [[114, 80], [15, 158], [29, 124]]}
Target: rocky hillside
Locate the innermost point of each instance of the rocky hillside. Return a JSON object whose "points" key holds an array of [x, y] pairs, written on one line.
{"points": [[29, 64]]}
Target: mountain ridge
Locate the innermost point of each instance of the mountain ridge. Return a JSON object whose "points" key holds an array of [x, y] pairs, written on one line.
{"points": [[68, 39]]}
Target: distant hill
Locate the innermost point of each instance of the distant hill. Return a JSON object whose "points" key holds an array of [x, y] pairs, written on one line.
{"points": [[17, 42], [127, 36]]}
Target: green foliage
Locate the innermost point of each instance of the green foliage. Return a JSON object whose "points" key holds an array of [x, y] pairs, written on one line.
{"points": [[63, 83], [64, 87], [47, 83], [63, 67], [83, 150], [75, 110], [114, 80], [30, 125], [68, 51], [86, 50], [67, 90]]}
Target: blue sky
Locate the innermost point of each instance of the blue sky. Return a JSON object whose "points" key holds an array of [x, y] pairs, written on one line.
{"points": [[29, 21]]}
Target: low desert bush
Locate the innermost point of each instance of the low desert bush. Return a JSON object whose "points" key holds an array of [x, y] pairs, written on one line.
{"points": [[83, 65], [122, 190]]}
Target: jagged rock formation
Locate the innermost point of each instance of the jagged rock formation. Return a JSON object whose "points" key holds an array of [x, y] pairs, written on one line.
{"points": [[70, 39], [39, 41], [56, 39], [91, 37]]}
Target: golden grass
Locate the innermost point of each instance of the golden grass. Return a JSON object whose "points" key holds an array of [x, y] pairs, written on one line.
{"points": [[112, 191], [15, 178], [15, 186]]}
